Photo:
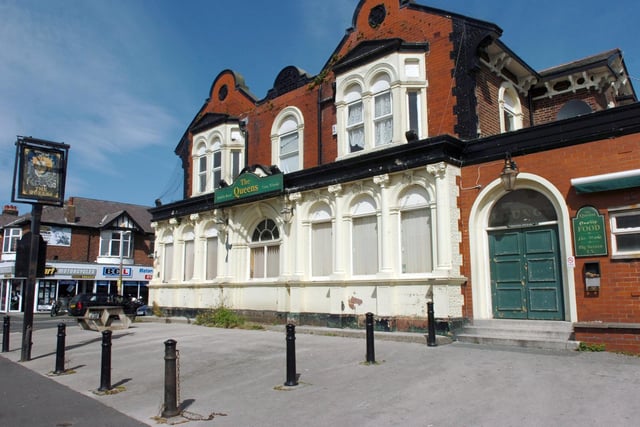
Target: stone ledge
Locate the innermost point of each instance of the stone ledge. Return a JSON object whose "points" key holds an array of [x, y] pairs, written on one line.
{"points": [[605, 325]]}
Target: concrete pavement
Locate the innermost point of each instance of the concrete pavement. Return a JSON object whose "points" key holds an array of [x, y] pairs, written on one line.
{"points": [[235, 378]]}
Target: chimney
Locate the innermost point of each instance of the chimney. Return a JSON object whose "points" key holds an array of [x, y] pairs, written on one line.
{"points": [[10, 210], [70, 212]]}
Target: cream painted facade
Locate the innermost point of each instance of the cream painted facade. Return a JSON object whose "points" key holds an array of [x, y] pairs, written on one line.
{"points": [[295, 290]]}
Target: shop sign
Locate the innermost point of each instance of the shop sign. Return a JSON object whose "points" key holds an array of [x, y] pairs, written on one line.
{"points": [[115, 271], [249, 185], [50, 270], [589, 232]]}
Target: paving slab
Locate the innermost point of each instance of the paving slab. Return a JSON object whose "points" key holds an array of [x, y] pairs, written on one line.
{"points": [[230, 377]]}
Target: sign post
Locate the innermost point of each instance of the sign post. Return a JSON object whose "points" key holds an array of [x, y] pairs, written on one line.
{"points": [[38, 178]]}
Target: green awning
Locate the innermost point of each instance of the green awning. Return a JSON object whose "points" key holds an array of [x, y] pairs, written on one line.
{"points": [[607, 182]]}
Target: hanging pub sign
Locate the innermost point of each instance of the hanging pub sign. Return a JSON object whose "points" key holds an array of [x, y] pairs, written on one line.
{"points": [[40, 171], [249, 185], [589, 232]]}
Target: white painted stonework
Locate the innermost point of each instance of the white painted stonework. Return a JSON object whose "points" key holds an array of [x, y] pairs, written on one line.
{"points": [[389, 292]]}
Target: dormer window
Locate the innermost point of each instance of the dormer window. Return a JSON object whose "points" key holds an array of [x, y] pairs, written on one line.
{"points": [[378, 102], [217, 155]]}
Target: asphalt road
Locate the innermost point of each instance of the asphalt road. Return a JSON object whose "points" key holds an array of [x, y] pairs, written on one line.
{"points": [[29, 399]]}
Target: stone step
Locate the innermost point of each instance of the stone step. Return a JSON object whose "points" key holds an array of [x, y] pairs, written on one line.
{"points": [[524, 342], [552, 335]]}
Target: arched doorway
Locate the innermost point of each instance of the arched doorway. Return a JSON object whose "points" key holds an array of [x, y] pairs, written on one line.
{"points": [[524, 253]]}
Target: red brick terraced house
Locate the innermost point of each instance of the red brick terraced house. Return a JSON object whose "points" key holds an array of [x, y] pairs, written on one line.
{"points": [[93, 246], [426, 162]]}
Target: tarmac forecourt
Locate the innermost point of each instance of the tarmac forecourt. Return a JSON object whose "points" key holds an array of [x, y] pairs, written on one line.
{"points": [[234, 377]]}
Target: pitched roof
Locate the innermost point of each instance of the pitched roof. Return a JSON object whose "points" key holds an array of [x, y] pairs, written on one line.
{"points": [[92, 213]]}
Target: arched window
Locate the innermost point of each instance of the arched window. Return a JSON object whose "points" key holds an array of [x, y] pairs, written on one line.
{"points": [[201, 161], [321, 242], [287, 140], [188, 255], [522, 208], [355, 119], [265, 250], [416, 232], [167, 259], [382, 111], [289, 145], [211, 248], [216, 169], [510, 109], [364, 235]]}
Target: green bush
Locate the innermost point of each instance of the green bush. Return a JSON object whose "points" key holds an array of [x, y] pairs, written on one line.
{"points": [[591, 347], [220, 317], [156, 310]]}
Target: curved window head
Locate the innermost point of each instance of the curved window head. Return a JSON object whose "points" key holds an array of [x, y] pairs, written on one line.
{"points": [[510, 109], [521, 208], [201, 159], [289, 139], [382, 111], [355, 119], [265, 250]]}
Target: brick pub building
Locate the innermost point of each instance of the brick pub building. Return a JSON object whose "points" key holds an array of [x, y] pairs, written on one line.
{"points": [[425, 162]]}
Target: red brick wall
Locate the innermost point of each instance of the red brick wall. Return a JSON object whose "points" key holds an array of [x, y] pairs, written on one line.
{"points": [[619, 296], [487, 93], [85, 247], [546, 109]]}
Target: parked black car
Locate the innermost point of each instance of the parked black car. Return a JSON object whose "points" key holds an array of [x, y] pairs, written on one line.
{"points": [[79, 303]]}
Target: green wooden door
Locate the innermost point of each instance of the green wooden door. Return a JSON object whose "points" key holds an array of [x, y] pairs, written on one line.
{"points": [[525, 274]]}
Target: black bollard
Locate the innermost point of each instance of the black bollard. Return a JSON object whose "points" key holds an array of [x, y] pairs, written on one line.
{"points": [[170, 380], [60, 349], [431, 335], [371, 354], [292, 377], [6, 328], [105, 368]]}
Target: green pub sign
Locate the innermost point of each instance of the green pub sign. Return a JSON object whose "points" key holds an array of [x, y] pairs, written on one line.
{"points": [[249, 185], [589, 232]]}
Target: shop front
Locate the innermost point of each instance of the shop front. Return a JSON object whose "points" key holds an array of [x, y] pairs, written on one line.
{"points": [[64, 280]]}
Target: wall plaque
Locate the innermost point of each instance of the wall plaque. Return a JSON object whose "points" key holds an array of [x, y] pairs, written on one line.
{"points": [[589, 236]]}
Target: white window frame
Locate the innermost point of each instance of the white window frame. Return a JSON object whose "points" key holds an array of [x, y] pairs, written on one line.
{"points": [[216, 164], [510, 108], [124, 240], [211, 254], [617, 231], [417, 200], [10, 240], [202, 171], [289, 123], [400, 74], [188, 255], [382, 119], [364, 209], [321, 246], [225, 141], [265, 238]]}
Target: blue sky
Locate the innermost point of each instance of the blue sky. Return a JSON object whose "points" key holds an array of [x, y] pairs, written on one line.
{"points": [[120, 80]]}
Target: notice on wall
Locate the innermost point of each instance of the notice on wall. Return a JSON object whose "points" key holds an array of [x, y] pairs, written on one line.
{"points": [[589, 232]]}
